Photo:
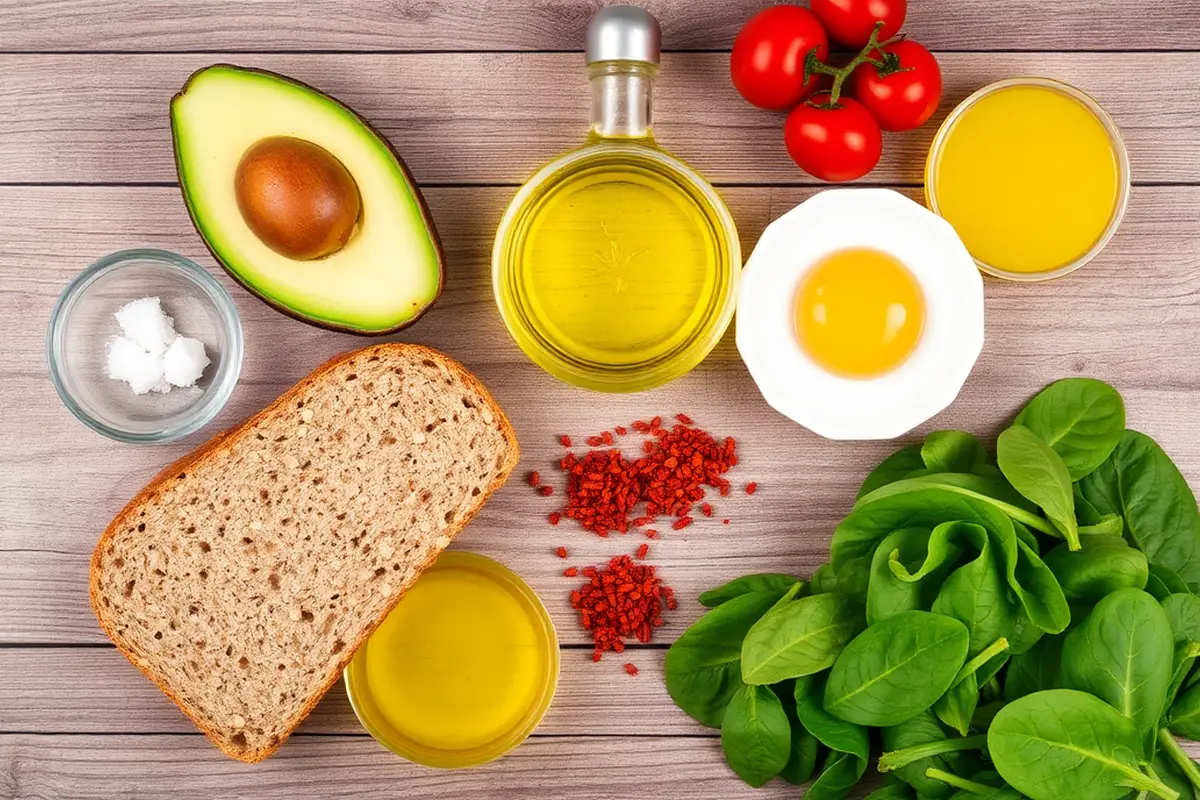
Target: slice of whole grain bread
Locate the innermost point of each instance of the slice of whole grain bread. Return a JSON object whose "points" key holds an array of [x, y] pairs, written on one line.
{"points": [[243, 578]]}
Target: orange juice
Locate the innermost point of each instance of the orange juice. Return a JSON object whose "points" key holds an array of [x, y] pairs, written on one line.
{"points": [[1032, 175]]}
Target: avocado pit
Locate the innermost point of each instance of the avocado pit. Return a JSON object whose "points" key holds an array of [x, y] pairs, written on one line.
{"points": [[297, 197]]}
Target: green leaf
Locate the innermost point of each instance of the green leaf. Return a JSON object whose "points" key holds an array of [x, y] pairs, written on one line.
{"points": [[1141, 483], [1081, 418], [956, 708], [898, 465], [1038, 473], [823, 580], [800, 638], [1183, 614], [1162, 583], [953, 451], [888, 593], [1107, 525], [1034, 670], [1184, 717], [1068, 744], [756, 735], [977, 593], [924, 729], [703, 666], [896, 669], [849, 743], [1103, 565], [1122, 654], [769, 582], [892, 790], [805, 748]]}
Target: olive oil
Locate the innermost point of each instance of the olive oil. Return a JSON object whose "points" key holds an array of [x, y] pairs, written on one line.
{"points": [[615, 266]]}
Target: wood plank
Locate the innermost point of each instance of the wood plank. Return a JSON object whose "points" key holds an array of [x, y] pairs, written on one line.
{"points": [[1138, 299], [187, 767], [53, 690], [551, 25], [496, 118]]}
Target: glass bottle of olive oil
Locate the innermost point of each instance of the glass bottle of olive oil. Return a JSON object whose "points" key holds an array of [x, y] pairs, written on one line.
{"points": [[615, 266]]}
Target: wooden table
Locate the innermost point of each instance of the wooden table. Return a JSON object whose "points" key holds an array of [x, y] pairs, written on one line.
{"points": [[476, 94]]}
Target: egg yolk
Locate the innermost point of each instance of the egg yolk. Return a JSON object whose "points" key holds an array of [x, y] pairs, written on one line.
{"points": [[859, 313]]}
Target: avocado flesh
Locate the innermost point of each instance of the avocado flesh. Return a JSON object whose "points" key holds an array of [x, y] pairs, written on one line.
{"points": [[391, 269]]}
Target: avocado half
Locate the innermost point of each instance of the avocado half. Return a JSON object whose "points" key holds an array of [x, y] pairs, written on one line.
{"points": [[390, 271]]}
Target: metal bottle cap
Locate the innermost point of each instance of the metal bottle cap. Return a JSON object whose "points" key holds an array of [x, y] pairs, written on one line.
{"points": [[623, 33]]}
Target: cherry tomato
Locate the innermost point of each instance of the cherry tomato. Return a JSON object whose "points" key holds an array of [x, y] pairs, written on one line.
{"points": [[767, 64], [833, 144], [851, 21], [902, 100]]}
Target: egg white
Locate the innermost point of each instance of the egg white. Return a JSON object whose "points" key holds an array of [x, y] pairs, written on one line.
{"points": [[891, 404]]}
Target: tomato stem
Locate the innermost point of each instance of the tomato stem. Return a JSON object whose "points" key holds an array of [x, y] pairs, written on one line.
{"points": [[887, 64]]}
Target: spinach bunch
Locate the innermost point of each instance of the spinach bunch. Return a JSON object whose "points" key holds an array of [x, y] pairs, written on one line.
{"points": [[1023, 625]]}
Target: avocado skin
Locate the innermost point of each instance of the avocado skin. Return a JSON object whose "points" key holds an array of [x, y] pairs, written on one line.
{"points": [[426, 216]]}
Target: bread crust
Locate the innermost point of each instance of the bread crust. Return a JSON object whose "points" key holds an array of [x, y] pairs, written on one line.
{"points": [[215, 448]]}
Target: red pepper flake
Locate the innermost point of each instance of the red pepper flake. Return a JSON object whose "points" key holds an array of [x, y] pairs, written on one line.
{"points": [[631, 669], [595, 441], [565, 441], [546, 491], [535, 480], [651, 534], [685, 419], [642, 551], [706, 509], [607, 437], [724, 522], [571, 572], [561, 552], [681, 523], [624, 600], [656, 423], [620, 430], [553, 517], [751, 487]]}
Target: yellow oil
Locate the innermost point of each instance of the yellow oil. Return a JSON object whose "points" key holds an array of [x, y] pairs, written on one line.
{"points": [[617, 260], [460, 664]]}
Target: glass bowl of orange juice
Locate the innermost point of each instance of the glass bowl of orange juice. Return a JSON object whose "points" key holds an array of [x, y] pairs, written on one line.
{"points": [[1033, 175]]}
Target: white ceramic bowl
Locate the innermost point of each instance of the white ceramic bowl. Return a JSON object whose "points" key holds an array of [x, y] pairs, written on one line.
{"points": [[894, 403]]}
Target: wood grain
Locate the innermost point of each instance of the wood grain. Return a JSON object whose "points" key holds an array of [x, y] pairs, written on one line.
{"points": [[216, 25], [51, 690], [496, 118], [1140, 296]]}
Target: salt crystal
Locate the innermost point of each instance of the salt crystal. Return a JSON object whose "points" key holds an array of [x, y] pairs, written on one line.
{"points": [[144, 322], [184, 362], [130, 362]]}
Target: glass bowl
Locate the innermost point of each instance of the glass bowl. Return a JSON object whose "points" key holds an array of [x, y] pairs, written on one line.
{"points": [[82, 325], [1119, 151]]}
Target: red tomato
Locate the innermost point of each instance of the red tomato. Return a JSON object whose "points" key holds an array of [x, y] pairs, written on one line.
{"points": [[833, 144], [768, 57], [903, 100], [851, 21]]}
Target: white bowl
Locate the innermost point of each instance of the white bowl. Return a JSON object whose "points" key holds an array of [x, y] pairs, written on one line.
{"points": [[892, 404]]}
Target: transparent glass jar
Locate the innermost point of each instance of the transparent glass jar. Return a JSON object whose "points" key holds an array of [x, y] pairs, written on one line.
{"points": [[615, 266]]}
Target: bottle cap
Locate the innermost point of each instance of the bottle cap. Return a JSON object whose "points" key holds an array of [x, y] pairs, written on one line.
{"points": [[623, 33]]}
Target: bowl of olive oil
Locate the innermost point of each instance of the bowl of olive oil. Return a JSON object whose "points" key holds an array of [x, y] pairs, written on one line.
{"points": [[615, 267]]}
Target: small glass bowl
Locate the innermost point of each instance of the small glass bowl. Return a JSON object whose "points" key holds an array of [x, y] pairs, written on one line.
{"points": [[1114, 135], [82, 326]]}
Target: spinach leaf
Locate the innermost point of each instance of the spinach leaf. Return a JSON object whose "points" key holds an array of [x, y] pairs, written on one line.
{"points": [[956, 708], [1183, 614], [1122, 653], [770, 582], [924, 729], [805, 748], [1184, 717], [850, 748], [703, 666], [1062, 743], [1081, 418], [756, 735], [1036, 588], [1107, 525], [888, 593], [1038, 473], [800, 638], [916, 503], [1180, 770], [896, 669], [824, 579], [975, 787], [892, 790], [1141, 483], [954, 451], [976, 594], [1103, 565], [898, 465], [1034, 670], [1162, 583]]}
